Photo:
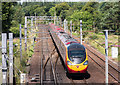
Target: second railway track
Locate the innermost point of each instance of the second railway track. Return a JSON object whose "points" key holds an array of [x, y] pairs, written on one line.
{"points": [[113, 71], [48, 75]]}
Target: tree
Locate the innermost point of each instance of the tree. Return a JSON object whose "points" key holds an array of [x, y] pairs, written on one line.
{"points": [[60, 7], [110, 18], [90, 7], [7, 11], [18, 16], [0, 15], [0, 11], [64, 14], [52, 11], [40, 11], [86, 18]]}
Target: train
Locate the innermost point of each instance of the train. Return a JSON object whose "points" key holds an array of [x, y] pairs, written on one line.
{"points": [[73, 53]]}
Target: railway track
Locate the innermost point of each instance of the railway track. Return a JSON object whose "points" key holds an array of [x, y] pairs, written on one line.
{"points": [[48, 75], [99, 59], [71, 81], [112, 71], [51, 68]]}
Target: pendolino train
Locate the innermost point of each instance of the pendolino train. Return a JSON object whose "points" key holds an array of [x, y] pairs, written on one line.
{"points": [[73, 53]]}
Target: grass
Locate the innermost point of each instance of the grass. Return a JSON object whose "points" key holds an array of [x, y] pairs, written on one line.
{"points": [[76, 34], [21, 64], [92, 38]]}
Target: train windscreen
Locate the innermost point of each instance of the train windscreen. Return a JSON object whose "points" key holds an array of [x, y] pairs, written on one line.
{"points": [[76, 53]]}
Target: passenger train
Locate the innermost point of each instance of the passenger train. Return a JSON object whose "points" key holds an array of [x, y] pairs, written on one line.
{"points": [[73, 53]]}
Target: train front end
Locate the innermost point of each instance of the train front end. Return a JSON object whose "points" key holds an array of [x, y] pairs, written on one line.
{"points": [[76, 58]]}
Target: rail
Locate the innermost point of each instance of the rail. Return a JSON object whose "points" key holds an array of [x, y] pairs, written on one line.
{"points": [[104, 68]]}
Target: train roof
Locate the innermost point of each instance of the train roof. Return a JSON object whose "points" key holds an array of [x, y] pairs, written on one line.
{"points": [[64, 37]]}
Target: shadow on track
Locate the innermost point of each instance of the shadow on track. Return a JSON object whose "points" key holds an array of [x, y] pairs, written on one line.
{"points": [[78, 76]]}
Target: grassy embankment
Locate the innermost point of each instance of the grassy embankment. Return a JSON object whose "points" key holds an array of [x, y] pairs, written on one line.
{"points": [[21, 65], [91, 37]]}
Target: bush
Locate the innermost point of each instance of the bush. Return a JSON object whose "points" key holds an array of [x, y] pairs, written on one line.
{"points": [[100, 33], [93, 37], [85, 34], [16, 31]]}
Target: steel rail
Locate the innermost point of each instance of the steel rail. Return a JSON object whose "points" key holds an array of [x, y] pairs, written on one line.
{"points": [[104, 61], [42, 62], [53, 71], [44, 67], [85, 81], [73, 83], [41, 71], [104, 69]]}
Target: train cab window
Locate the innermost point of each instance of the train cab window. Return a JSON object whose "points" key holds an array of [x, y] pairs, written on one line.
{"points": [[77, 56], [76, 53]]}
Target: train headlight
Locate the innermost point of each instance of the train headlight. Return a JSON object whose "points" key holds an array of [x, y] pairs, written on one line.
{"points": [[85, 63], [69, 63]]}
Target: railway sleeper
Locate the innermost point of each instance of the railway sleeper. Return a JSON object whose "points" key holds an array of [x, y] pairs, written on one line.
{"points": [[35, 80], [50, 82]]}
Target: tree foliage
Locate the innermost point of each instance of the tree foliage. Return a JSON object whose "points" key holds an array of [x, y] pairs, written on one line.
{"points": [[60, 7], [111, 14], [7, 12], [52, 11], [94, 15]]}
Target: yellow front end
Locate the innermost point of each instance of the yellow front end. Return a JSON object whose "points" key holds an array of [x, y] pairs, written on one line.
{"points": [[77, 68]]}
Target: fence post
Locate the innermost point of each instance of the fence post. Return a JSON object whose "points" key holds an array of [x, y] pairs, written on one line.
{"points": [[22, 78], [57, 21], [25, 33], [106, 58], [81, 32], [11, 58], [60, 22], [4, 52], [71, 28], [20, 43], [65, 25], [32, 22], [35, 20], [54, 18]]}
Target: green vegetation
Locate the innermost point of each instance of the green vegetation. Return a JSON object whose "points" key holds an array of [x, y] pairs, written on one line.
{"points": [[98, 41], [25, 55], [95, 16]]}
